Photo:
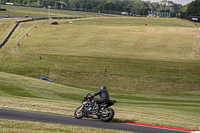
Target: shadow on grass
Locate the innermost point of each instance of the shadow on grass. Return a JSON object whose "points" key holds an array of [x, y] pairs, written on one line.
{"points": [[122, 121], [15, 91]]}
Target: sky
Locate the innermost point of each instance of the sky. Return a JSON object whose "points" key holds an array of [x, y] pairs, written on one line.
{"points": [[183, 2]]}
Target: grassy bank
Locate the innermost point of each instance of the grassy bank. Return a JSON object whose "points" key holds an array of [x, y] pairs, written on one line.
{"points": [[5, 27], [32, 127], [138, 58], [152, 71], [171, 109], [42, 12]]}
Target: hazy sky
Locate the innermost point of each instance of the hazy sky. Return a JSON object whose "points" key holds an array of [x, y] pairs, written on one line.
{"points": [[183, 2]]}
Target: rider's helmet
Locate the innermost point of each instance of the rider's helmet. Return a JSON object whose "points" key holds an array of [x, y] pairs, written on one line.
{"points": [[103, 88]]}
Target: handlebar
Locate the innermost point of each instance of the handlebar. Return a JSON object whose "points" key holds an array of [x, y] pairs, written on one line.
{"points": [[88, 94]]}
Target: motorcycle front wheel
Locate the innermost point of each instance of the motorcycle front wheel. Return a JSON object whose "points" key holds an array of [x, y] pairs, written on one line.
{"points": [[107, 115], [78, 114]]}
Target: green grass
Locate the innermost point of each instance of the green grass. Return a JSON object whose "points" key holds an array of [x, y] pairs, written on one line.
{"points": [[167, 109], [5, 27], [81, 52], [32, 127], [16, 91], [40, 12], [143, 64], [139, 21], [145, 57]]}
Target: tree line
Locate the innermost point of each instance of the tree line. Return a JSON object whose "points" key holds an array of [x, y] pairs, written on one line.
{"points": [[137, 7]]}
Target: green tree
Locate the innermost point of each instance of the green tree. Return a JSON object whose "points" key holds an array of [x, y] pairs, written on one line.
{"points": [[43, 3], [19, 1], [135, 6], [88, 6], [50, 2], [177, 6], [57, 4], [25, 3], [109, 6], [118, 7], [144, 10], [193, 9], [127, 9], [100, 7], [75, 3], [132, 6], [30, 2]]}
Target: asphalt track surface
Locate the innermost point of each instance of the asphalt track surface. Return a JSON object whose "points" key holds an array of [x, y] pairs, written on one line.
{"points": [[56, 119]]}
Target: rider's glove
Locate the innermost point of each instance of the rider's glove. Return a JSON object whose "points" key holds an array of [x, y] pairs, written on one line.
{"points": [[90, 97]]}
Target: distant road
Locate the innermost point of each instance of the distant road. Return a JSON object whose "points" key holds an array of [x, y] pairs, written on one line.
{"points": [[4, 16], [46, 118], [90, 13]]}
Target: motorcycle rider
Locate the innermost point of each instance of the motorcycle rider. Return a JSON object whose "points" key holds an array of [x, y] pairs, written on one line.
{"points": [[104, 96]]}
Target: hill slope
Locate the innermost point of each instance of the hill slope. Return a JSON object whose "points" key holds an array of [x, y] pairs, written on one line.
{"points": [[29, 94], [138, 58], [143, 69]]}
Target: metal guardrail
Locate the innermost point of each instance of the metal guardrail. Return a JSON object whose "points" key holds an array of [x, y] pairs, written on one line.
{"points": [[8, 36]]}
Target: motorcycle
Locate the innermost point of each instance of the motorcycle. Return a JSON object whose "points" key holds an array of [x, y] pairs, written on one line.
{"points": [[104, 113]]}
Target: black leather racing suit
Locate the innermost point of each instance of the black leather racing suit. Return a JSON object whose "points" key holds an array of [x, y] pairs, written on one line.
{"points": [[104, 96]]}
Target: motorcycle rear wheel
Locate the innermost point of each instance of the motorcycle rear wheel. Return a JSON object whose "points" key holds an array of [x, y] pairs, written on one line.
{"points": [[108, 114], [79, 112]]}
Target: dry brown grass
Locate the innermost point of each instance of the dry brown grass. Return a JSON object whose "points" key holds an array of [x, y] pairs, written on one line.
{"points": [[145, 60], [138, 42], [173, 109], [33, 127]]}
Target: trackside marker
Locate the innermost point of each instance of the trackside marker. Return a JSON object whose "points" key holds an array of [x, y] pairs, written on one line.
{"points": [[161, 127]]}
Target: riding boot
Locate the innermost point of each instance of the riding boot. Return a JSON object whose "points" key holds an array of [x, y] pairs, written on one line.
{"points": [[96, 106]]}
